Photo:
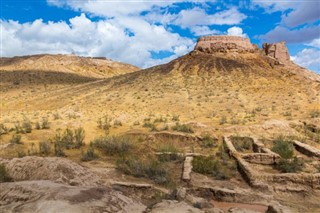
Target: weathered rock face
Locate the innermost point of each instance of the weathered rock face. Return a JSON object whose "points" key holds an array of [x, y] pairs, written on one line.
{"points": [[278, 51], [225, 44]]}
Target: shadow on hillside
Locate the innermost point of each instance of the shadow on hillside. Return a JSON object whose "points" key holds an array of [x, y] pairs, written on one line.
{"points": [[42, 77]]}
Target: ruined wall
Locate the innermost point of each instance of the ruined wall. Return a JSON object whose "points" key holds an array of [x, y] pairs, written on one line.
{"points": [[278, 51], [224, 44]]}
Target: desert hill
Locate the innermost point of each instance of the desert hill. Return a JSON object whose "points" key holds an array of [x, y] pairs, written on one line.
{"points": [[198, 134], [228, 83], [84, 66]]}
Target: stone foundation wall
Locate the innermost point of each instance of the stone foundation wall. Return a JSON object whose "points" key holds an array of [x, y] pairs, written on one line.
{"points": [[306, 149], [261, 158]]}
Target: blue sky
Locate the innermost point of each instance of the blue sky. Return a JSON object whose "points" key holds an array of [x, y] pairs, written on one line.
{"points": [[147, 33]]}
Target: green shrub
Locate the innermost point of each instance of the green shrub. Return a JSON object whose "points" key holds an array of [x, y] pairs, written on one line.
{"points": [[58, 149], [290, 165], [283, 147], [68, 139], [104, 124], [3, 129], [150, 168], [160, 120], [223, 120], [89, 155], [18, 128], [175, 118], [182, 128], [169, 148], [208, 142], [44, 148], [37, 125], [21, 154], [79, 135], [117, 123], [4, 176], [26, 125], [114, 145], [315, 114], [16, 139], [213, 166], [242, 143], [151, 126], [45, 123]]}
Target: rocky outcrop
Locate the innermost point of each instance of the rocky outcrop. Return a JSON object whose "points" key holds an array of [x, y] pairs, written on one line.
{"points": [[56, 169], [47, 196], [278, 51], [224, 44]]}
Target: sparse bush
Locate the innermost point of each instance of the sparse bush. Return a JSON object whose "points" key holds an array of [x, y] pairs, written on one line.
{"points": [[242, 143], [213, 166], [117, 123], [151, 126], [58, 150], [21, 154], [160, 120], [150, 168], [16, 139], [37, 125], [283, 147], [79, 135], [56, 116], [26, 125], [290, 165], [4, 176], [114, 145], [175, 118], [32, 150], [208, 142], [68, 139], [169, 148], [89, 155], [45, 123], [315, 114], [182, 128], [223, 120], [3, 129], [44, 148], [104, 124], [18, 128]]}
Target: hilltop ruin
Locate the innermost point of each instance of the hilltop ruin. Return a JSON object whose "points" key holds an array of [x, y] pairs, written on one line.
{"points": [[210, 44]]}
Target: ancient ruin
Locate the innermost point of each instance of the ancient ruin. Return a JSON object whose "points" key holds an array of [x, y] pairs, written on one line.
{"points": [[277, 51], [225, 44]]}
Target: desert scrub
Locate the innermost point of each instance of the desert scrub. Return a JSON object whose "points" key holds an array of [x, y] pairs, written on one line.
{"points": [[208, 142], [182, 128], [149, 168], [160, 120], [104, 124], [89, 155], [70, 139], [214, 166], [45, 123], [4, 176], [44, 148], [315, 113], [223, 120], [114, 145], [242, 143], [26, 125], [170, 152], [175, 118], [16, 139], [3, 129], [290, 165], [283, 147], [151, 126]]}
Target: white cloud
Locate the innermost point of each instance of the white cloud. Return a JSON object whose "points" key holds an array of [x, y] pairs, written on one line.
{"points": [[236, 31], [198, 16], [203, 30], [82, 36], [307, 57], [305, 34], [314, 43]]}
